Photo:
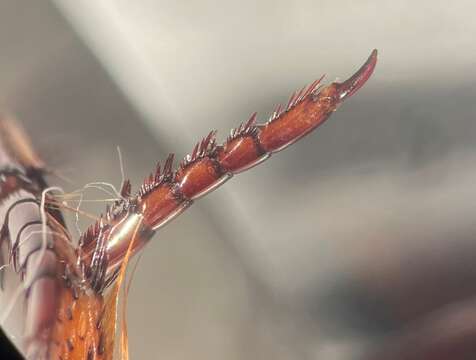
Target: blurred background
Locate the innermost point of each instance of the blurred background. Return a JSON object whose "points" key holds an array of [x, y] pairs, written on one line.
{"points": [[356, 243]]}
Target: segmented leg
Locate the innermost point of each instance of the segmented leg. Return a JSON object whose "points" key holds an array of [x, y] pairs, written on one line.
{"points": [[30, 245], [65, 318], [167, 193]]}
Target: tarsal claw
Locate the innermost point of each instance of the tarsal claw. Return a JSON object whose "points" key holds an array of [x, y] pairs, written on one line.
{"points": [[356, 81]]}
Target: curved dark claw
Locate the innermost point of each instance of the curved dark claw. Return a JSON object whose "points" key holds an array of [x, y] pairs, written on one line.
{"points": [[356, 81]]}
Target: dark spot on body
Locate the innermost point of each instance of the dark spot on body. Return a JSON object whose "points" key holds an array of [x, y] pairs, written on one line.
{"points": [[101, 344], [90, 354], [75, 293], [69, 345], [69, 313]]}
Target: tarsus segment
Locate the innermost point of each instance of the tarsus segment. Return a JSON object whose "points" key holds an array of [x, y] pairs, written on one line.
{"points": [[209, 165], [166, 193]]}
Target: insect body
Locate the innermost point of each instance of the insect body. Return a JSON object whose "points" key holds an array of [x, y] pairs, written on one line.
{"points": [[71, 289]]}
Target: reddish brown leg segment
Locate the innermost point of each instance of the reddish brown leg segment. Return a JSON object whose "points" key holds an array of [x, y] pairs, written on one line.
{"points": [[166, 193], [210, 165]]}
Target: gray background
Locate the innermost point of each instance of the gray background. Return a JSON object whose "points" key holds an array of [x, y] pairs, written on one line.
{"points": [[320, 252]]}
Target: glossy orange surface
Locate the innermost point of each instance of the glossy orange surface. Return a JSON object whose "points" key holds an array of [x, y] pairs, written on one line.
{"points": [[79, 332]]}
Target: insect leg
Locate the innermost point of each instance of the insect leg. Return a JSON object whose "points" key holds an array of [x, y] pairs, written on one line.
{"points": [[209, 165], [31, 241], [167, 193]]}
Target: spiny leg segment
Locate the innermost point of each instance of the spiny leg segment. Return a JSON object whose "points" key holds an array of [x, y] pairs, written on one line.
{"points": [[166, 193]]}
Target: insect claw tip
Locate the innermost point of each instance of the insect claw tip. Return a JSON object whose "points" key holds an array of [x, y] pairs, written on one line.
{"points": [[356, 81]]}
